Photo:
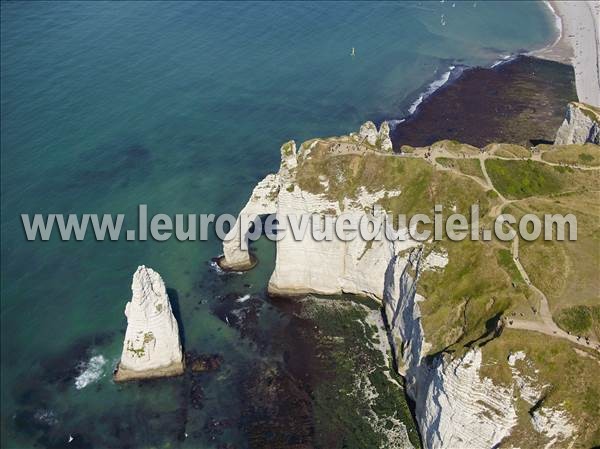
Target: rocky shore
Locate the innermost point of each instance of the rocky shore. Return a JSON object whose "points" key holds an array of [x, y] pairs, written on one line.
{"points": [[580, 125], [521, 101], [456, 404]]}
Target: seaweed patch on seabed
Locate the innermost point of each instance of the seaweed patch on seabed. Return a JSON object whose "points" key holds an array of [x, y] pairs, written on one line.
{"points": [[334, 387], [37, 412], [320, 377], [47, 410], [521, 101], [358, 395], [112, 165]]}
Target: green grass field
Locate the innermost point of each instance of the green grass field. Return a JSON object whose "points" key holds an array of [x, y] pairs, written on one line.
{"points": [[580, 320], [469, 167], [520, 179], [505, 260], [584, 155]]}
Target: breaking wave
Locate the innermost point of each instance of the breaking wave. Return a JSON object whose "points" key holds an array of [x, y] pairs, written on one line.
{"points": [[90, 371], [435, 85], [243, 298], [220, 271]]}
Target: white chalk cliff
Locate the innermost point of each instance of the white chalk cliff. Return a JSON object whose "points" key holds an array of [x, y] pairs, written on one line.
{"points": [[262, 202], [368, 132], [151, 347], [581, 125], [299, 263], [454, 406]]}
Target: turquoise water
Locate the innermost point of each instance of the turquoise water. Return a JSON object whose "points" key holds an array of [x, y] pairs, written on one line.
{"points": [[181, 106]]}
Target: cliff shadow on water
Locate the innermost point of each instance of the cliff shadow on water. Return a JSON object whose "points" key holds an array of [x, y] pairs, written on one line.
{"points": [[521, 101], [174, 299]]}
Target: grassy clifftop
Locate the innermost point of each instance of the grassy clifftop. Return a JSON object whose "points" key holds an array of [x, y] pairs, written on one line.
{"points": [[467, 300], [565, 377], [481, 281]]}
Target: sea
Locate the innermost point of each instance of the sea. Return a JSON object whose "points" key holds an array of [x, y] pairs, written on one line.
{"points": [[183, 106]]}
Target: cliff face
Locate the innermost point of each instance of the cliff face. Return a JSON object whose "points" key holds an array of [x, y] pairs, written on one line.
{"points": [[151, 347], [456, 404], [261, 202], [352, 266], [454, 407], [299, 267], [581, 125]]}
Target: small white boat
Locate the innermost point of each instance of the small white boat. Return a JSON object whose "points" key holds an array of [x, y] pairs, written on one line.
{"points": [[352, 53]]}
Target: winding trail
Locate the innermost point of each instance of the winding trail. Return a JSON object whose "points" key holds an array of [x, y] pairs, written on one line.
{"points": [[545, 324]]}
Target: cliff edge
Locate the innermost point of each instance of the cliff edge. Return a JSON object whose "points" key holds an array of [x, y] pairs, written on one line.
{"points": [[581, 125], [477, 379]]}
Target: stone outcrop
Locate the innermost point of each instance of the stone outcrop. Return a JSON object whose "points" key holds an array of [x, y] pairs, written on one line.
{"points": [[455, 405], [384, 137], [581, 125], [152, 347], [262, 201], [368, 132], [299, 266]]}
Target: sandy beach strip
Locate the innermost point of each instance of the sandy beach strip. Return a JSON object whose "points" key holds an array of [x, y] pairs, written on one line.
{"points": [[578, 45]]}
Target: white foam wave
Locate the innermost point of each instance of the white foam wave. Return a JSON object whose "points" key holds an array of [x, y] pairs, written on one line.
{"points": [[557, 22], [502, 60], [395, 122], [91, 372], [431, 89], [559, 27], [215, 266], [243, 298]]}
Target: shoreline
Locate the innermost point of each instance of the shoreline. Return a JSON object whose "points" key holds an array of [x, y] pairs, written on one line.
{"points": [[578, 45], [562, 50], [578, 41], [492, 104]]}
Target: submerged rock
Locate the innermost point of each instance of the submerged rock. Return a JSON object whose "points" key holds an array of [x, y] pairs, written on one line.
{"points": [[581, 125], [205, 363], [151, 347]]}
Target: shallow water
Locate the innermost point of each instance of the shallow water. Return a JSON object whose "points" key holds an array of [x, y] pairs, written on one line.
{"points": [[182, 106]]}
